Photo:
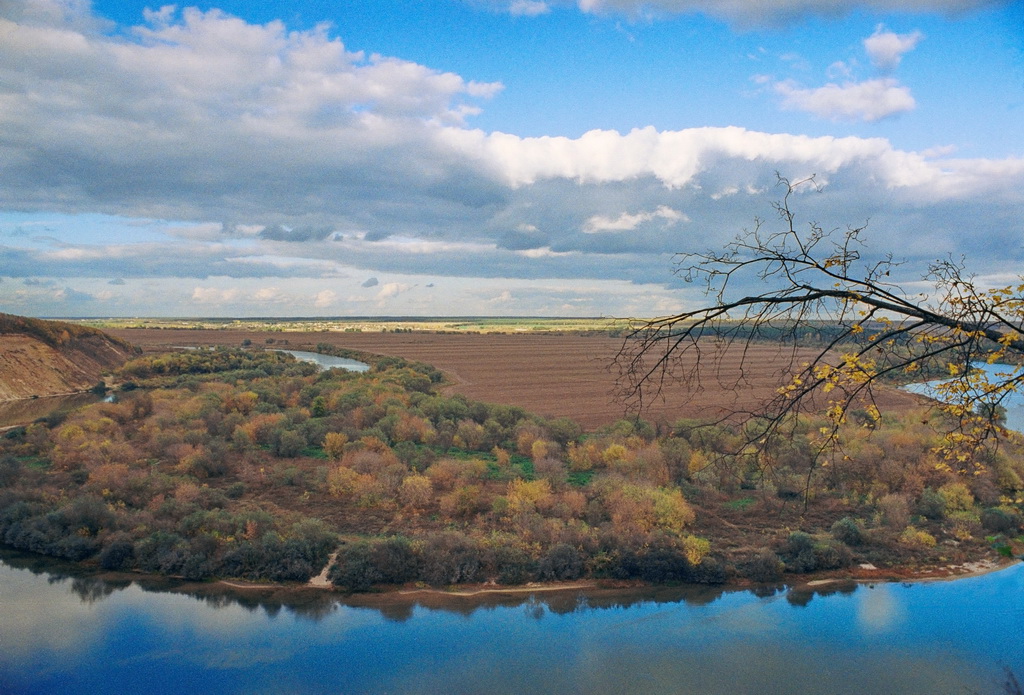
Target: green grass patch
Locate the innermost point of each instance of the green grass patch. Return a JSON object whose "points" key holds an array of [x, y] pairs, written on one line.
{"points": [[581, 478], [739, 505], [36, 463]]}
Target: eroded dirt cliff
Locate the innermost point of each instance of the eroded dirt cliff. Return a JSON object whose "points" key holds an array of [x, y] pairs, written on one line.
{"points": [[45, 358]]}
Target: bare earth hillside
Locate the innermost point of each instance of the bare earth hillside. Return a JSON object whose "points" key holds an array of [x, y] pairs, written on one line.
{"points": [[555, 375], [46, 358]]}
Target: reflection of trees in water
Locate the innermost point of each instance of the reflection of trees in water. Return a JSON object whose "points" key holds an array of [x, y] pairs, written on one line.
{"points": [[93, 589], [802, 595], [317, 604]]}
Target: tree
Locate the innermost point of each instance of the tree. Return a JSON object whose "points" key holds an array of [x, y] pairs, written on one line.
{"points": [[822, 289]]}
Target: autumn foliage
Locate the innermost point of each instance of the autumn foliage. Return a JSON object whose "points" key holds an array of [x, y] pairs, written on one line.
{"points": [[247, 464]]}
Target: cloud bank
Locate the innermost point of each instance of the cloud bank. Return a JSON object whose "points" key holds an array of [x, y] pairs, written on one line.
{"points": [[281, 157]]}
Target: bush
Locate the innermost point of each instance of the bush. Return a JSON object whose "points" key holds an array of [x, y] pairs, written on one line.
{"points": [[354, 568], [450, 558], [513, 565], [802, 553], [957, 496], [998, 520], [118, 554], [848, 531], [561, 563], [762, 566], [932, 505], [913, 536], [10, 470], [396, 560]]}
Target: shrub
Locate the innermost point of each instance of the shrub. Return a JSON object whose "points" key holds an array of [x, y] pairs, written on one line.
{"points": [[762, 566], [802, 553], [998, 520], [848, 531], [894, 510], [450, 558], [396, 560], [512, 565], [354, 568], [562, 562], [914, 536], [118, 554], [10, 470], [957, 496], [932, 505]]}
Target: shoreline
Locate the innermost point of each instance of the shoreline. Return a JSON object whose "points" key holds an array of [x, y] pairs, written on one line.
{"points": [[798, 582]]}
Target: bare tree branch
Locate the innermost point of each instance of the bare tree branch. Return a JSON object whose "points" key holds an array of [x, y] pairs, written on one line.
{"points": [[814, 280]]}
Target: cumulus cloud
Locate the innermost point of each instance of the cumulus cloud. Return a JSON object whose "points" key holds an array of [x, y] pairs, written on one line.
{"points": [[848, 99], [870, 100], [282, 154], [198, 112], [267, 295], [629, 222], [504, 298], [324, 299], [392, 289], [886, 49]]}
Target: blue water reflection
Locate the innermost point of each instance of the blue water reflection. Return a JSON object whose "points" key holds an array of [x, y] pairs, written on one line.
{"points": [[64, 634], [1014, 402], [328, 361]]}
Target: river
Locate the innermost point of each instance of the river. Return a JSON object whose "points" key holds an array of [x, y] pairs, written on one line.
{"points": [[1014, 403], [64, 632], [328, 361]]}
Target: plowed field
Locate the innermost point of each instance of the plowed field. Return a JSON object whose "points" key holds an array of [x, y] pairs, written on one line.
{"points": [[550, 374]]}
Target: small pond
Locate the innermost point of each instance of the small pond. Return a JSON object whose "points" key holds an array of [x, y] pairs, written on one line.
{"points": [[65, 632]]}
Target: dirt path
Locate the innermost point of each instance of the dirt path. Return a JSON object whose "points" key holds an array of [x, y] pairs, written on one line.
{"points": [[321, 581]]}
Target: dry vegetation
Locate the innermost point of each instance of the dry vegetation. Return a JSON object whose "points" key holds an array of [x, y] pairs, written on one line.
{"points": [[243, 463]]}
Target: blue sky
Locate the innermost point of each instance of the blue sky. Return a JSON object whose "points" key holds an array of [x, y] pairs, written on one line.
{"points": [[466, 157]]}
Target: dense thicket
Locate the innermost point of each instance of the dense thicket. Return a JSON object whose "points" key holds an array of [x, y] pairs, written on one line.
{"points": [[231, 463]]}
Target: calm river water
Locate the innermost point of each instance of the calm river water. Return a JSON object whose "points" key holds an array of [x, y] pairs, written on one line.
{"points": [[1014, 403], [77, 634], [328, 361]]}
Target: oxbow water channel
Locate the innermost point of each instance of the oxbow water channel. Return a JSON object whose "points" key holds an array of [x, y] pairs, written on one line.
{"points": [[67, 632], [1014, 403], [328, 361]]}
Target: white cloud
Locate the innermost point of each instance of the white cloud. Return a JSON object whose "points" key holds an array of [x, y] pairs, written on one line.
{"points": [[504, 298], [324, 299], [392, 289], [886, 49], [284, 158], [870, 100], [528, 8], [214, 295], [267, 294], [628, 222]]}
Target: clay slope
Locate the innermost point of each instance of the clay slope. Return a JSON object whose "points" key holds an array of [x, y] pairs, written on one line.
{"points": [[45, 358]]}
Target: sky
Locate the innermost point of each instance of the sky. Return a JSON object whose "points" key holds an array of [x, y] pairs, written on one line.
{"points": [[487, 157]]}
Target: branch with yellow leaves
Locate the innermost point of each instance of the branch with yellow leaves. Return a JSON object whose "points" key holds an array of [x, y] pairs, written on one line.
{"points": [[868, 329]]}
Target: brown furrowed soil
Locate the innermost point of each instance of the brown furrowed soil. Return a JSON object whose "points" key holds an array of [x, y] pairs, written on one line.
{"points": [[553, 375]]}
